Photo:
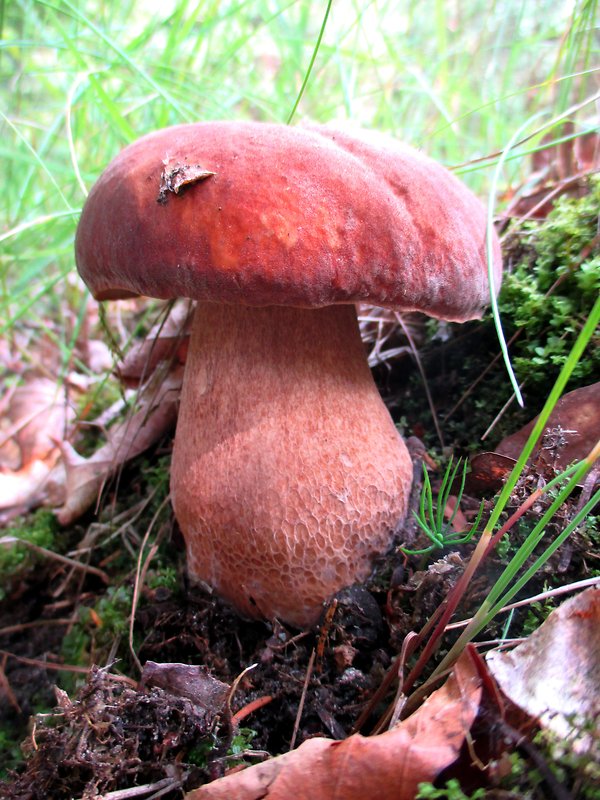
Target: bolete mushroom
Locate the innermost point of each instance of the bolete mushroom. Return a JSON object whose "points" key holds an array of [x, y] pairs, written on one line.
{"points": [[288, 474]]}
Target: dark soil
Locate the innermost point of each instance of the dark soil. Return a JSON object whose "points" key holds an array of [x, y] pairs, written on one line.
{"points": [[114, 732]]}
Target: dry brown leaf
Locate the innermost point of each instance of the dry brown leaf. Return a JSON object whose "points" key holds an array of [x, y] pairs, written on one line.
{"points": [[387, 767], [166, 342], [187, 680], [460, 524], [555, 674], [37, 413], [557, 169], [23, 489], [570, 433], [488, 473], [82, 479]]}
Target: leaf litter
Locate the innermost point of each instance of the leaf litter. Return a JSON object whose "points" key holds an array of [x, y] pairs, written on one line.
{"points": [[101, 738], [389, 766], [554, 675]]}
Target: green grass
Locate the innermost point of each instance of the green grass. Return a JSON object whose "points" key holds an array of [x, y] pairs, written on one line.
{"points": [[80, 79], [476, 86]]}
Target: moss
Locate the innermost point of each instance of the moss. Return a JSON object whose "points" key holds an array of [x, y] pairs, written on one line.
{"points": [[157, 474], [552, 289], [40, 529], [10, 750], [451, 791], [164, 577], [91, 639], [578, 772]]}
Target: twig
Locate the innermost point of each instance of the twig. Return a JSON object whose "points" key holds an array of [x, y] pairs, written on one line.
{"points": [[23, 626], [393, 712], [236, 683], [36, 662], [395, 671], [57, 557], [501, 413], [480, 377], [417, 358], [559, 792], [140, 575], [536, 598], [5, 685], [309, 670], [167, 784]]}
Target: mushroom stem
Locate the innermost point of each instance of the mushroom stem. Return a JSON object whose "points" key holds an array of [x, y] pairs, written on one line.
{"points": [[288, 474]]}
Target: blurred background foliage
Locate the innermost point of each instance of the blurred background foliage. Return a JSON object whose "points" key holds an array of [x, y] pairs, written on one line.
{"points": [[82, 78]]}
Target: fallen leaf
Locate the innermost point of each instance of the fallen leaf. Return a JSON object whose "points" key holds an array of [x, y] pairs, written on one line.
{"points": [[36, 415], [167, 342], [555, 674], [488, 473], [23, 489], [187, 680], [557, 169], [174, 178], [78, 482], [389, 766], [460, 523], [570, 433]]}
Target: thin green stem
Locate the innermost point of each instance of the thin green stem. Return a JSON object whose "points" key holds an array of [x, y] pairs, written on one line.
{"points": [[311, 64], [490, 255]]}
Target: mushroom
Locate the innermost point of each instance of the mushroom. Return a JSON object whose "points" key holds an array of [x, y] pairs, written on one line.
{"points": [[288, 474]]}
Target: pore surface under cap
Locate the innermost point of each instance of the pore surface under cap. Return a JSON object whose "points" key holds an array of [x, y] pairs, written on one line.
{"points": [[305, 216]]}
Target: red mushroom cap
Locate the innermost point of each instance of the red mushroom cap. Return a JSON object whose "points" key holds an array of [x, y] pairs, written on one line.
{"points": [[263, 214]]}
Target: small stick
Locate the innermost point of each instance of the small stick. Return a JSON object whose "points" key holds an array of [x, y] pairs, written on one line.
{"points": [[36, 662], [5, 684], [417, 358], [309, 669], [23, 626], [571, 587], [57, 557], [137, 791]]}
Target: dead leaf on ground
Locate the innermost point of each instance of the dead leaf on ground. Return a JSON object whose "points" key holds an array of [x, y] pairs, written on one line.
{"points": [[555, 674], [167, 342], [77, 481], [389, 766], [488, 473], [37, 414], [187, 680], [571, 432], [38, 463], [459, 523]]}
